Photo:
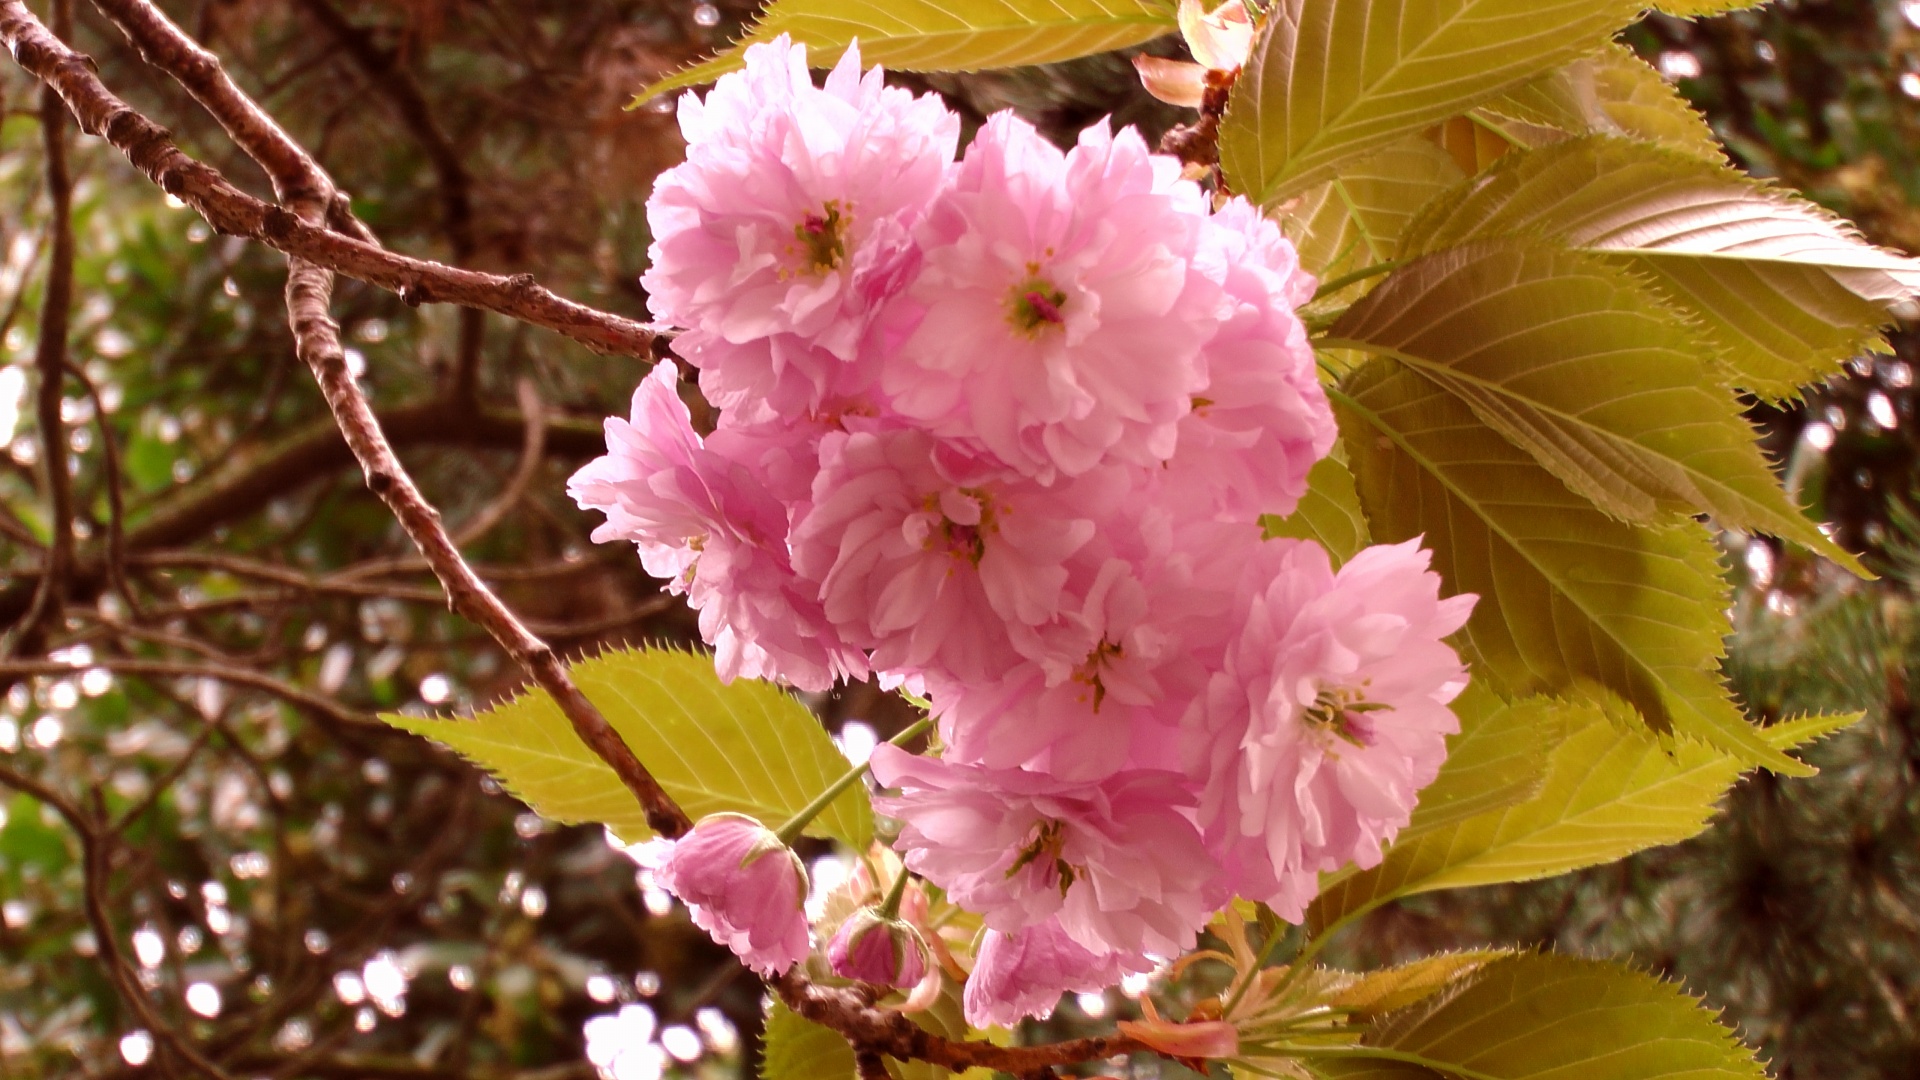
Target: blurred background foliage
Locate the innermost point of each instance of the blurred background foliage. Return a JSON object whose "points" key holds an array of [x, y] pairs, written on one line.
{"points": [[308, 894]]}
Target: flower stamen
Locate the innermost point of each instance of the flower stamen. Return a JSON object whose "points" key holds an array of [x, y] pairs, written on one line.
{"points": [[824, 237], [1044, 851], [1340, 712], [1034, 304]]}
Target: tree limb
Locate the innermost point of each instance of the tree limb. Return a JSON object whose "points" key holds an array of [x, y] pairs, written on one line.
{"points": [[233, 212], [50, 361]]}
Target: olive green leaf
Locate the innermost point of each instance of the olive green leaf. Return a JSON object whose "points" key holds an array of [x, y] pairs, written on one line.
{"points": [[1576, 362], [1532, 1016], [1498, 759], [1693, 8], [1610, 790], [746, 746], [799, 1049], [1569, 596], [941, 35], [1331, 80], [1783, 289], [1329, 513]]}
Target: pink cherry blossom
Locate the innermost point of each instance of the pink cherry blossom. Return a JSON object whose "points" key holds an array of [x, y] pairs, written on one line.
{"points": [[1023, 973], [789, 221], [1328, 716], [1261, 420], [926, 556], [707, 527], [741, 884], [1117, 861], [1054, 319], [1101, 687]]}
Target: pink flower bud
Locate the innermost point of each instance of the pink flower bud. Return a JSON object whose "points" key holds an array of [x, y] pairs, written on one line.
{"points": [[871, 948], [1175, 82], [742, 885]]}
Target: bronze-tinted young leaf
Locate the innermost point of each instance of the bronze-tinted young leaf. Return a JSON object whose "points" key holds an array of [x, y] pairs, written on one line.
{"points": [[1785, 290], [746, 746], [1329, 513], [941, 35], [1534, 1016], [1609, 791], [1331, 80], [1355, 221], [1391, 989], [1634, 101], [1569, 597], [1611, 92], [1576, 362]]}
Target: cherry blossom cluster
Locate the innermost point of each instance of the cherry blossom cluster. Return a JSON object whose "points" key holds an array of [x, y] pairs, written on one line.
{"points": [[1001, 429]]}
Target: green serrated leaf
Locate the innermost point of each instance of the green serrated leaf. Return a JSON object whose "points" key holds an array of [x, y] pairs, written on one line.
{"points": [[1569, 597], [1785, 290], [941, 35], [1498, 759], [1575, 361], [1329, 513], [1609, 791], [746, 747], [1533, 1016], [1331, 80], [796, 1048]]}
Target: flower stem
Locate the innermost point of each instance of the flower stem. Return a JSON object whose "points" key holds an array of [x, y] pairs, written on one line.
{"points": [[1362, 274], [890, 907], [790, 832]]}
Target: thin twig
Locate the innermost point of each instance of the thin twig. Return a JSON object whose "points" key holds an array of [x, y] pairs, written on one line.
{"points": [[317, 340], [94, 851], [227, 673], [233, 212], [116, 499], [294, 173], [893, 1034], [50, 360], [300, 230], [531, 456]]}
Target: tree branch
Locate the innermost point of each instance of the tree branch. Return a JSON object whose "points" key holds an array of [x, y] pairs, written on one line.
{"points": [[50, 361], [227, 673], [294, 173], [893, 1034], [299, 229], [235, 213], [93, 862], [317, 451]]}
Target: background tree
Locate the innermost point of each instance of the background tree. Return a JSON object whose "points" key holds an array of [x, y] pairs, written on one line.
{"points": [[206, 605]]}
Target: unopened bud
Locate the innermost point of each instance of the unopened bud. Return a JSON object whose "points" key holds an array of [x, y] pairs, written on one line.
{"points": [[872, 948]]}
